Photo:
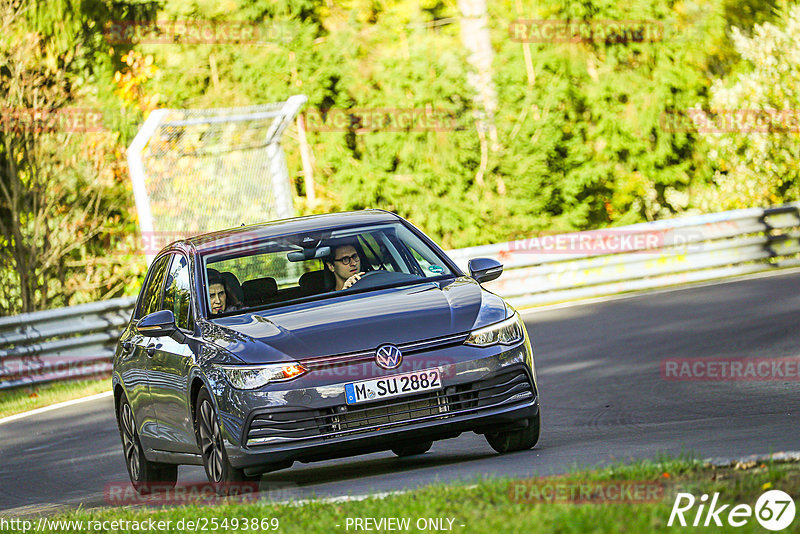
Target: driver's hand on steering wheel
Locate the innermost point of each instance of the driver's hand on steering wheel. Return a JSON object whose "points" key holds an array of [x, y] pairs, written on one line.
{"points": [[352, 280]]}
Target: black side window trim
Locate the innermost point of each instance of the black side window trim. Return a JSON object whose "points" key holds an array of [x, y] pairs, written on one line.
{"points": [[147, 281], [191, 317]]}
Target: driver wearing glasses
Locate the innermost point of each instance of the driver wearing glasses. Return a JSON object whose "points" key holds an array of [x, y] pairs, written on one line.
{"points": [[346, 266]]}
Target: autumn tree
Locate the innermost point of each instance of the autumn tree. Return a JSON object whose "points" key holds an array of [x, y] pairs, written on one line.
{"points": [[56, 179], [753, 121]]}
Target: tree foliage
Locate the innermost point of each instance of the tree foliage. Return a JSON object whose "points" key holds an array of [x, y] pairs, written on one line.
{"points": [[580, 146], [753, 123], [60, 200], [581, 140]]}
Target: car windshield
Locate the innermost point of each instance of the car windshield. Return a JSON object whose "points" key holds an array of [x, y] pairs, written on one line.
{"points": [[276, 271]]}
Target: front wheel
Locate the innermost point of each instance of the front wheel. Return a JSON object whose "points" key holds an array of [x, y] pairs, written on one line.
{"points": [[516, 440], [146, 476], [225, 478]]}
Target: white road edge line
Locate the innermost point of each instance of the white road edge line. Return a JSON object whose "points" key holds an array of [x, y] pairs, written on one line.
{"points": [[655, 291], [350, 498], [54, 407], [341, 498]]}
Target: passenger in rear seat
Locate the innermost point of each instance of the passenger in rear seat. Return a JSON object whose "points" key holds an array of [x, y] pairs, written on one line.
{"points": [[217, 295]]}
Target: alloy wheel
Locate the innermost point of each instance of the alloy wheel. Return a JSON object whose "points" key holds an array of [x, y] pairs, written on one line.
{"points": [[211, 441], [129, 442]]}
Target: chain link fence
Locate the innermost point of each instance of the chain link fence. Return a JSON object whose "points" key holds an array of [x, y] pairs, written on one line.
{"points": [[201, 170]]}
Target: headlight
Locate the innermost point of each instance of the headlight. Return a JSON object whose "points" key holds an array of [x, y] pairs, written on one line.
{"points": [[256, 376], [506, 332]]}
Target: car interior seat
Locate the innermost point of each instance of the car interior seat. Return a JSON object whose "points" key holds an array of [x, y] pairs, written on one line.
{"points": [[233, 288], [259, 291], [314, 282]]}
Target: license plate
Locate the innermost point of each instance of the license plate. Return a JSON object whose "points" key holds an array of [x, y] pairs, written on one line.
{"points": [[392, 386]]}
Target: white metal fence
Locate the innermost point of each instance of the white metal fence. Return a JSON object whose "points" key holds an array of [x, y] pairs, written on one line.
{"points": [[78, 341], [61, 344], [549, 269]]}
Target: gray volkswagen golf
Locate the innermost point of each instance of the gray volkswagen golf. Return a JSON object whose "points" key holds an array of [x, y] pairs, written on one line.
{"points": [[315, 338]]}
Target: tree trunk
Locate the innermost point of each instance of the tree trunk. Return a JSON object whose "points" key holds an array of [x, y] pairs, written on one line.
{"points": [[475, 37]]}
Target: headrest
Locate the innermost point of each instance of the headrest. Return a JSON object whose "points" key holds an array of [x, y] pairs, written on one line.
{"points": [[232, 286], [316, 281], [260, 288]]}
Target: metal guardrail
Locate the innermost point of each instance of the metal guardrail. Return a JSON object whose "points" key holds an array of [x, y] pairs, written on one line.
{"points": [[79, 341], [59, 344], [549, 269]]}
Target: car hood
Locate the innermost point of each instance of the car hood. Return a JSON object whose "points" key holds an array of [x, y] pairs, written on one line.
{"points": [[357, 322]]}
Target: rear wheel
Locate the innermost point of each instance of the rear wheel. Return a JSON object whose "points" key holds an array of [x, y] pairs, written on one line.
{"points": [[225, 478], [516, 440], [413, 449], [146, 476]]}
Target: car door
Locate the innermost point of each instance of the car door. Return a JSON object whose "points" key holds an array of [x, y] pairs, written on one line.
{"points": [[135, 374], [170, 363]]}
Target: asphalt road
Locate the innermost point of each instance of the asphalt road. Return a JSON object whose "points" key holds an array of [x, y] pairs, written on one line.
{"points": [[602, 392]]}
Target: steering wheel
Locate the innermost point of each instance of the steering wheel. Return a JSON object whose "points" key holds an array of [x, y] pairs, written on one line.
{"points": [[366, 275]]}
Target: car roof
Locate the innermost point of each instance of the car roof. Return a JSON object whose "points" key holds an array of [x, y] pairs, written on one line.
{"points": [[255, 232]]}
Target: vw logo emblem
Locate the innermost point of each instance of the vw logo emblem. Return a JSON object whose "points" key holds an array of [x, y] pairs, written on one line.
{"points": [[388, 357]]}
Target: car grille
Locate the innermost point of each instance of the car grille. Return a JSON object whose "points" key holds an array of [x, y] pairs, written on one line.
{"points": [[322, 362], [390, 412], [288, 425]]}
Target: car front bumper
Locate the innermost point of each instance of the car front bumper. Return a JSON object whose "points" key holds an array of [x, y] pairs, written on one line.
{"points": [[483, 390]]}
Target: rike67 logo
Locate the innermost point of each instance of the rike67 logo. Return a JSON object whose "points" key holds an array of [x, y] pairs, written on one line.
{"points": [[774, 510]]}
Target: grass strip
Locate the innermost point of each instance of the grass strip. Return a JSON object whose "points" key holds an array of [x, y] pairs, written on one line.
{"points": [[27, 398], [488, 505]]}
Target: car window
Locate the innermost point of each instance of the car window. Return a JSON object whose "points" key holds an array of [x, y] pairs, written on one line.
{"points": [[273, 265], [376, 253], [289, 268], [430, 265], [177, 295], [151, 294]]}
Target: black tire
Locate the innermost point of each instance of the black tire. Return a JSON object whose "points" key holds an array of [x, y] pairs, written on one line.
{"points": [[516, 440], [226, 479], [413, 449], [146, 476]]}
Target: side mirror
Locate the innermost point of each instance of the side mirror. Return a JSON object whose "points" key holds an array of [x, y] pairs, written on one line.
{"points": [[159, 324], [485, 269]]}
